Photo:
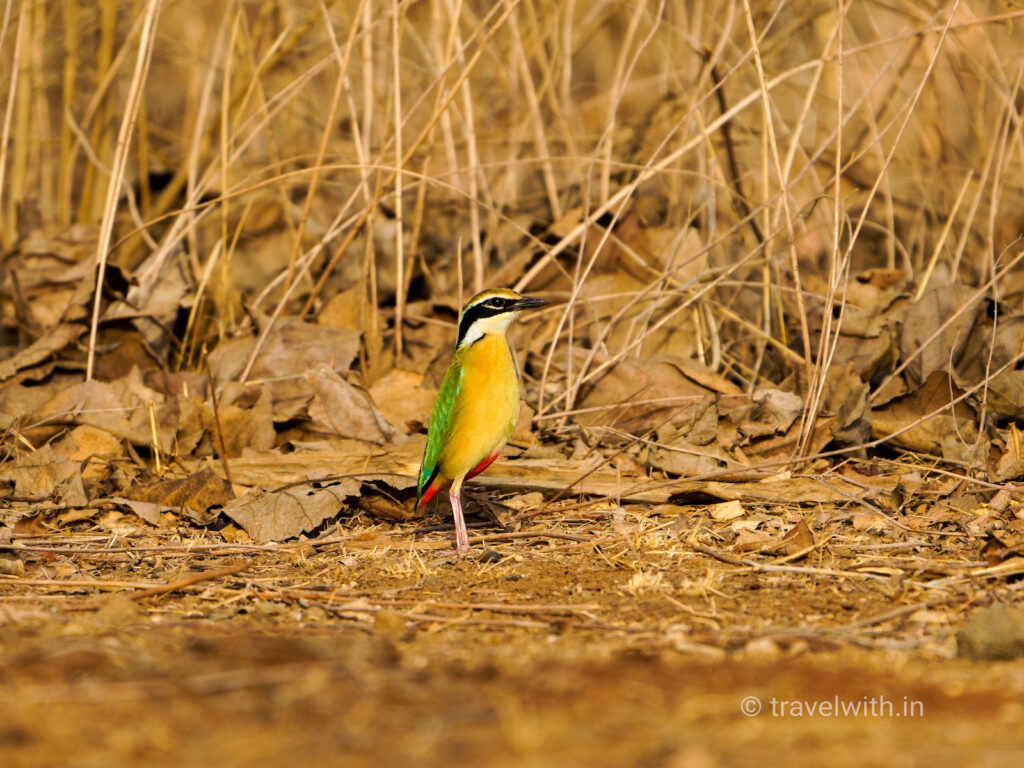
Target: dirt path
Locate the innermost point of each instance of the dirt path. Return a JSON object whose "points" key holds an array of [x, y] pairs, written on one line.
{"points": [[552, 654], [199, 694]]}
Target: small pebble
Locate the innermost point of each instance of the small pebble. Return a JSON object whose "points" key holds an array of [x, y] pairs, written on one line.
{"points": [[995, 633], [762, 649]]}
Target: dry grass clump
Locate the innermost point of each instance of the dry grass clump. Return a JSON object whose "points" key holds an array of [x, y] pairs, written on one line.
{"points": [[750, 187]]}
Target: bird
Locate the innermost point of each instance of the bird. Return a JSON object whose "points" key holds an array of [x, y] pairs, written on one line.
{"points": [[477, 405]]}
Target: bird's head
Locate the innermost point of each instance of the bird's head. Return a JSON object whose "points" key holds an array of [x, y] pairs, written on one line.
{"points": [[492, 311]]}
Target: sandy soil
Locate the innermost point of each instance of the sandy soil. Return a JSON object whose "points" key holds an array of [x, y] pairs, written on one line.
{"points": [[552, 652]]}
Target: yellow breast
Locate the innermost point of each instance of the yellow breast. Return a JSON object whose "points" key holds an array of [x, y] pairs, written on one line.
{"points": [[486, 407]]}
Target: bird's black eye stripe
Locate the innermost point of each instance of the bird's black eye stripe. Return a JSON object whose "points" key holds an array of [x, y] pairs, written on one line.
{"points": [[493, 306]]}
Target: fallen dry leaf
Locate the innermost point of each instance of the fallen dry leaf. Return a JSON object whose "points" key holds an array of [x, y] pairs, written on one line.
{"points": [[243, 427], [402, 400], [292, 348], [798, 538], [944, 433], [751, 541], [727, 510], [773, 412], [199, 497], [375, 500], [684, 460], [638, 396], [54, 340], [1005, 395], [288, 512], [342, 409], [90, 446], [120, 408], [999, 546], [47, 475], [956, 302], [846, 396]]}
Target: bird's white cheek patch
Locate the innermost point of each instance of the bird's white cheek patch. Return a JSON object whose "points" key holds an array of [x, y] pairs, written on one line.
{"points": [[485, 325]]}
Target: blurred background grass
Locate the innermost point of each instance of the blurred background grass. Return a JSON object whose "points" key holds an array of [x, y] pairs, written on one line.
{"points": [[681, 175]]}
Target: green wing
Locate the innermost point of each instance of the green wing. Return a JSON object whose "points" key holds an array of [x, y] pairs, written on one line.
{"points": [[440, 420]]}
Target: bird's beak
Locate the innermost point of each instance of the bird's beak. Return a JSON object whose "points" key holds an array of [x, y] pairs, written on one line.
{"points": [[529, 302]]}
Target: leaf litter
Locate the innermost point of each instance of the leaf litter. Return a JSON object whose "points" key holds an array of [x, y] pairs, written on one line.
{"points": [[668, 514]]}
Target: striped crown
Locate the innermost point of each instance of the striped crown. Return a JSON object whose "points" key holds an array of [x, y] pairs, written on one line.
{"points": [[481, 308]]}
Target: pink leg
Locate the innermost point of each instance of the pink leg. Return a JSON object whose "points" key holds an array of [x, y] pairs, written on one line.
{"points": [[455, 496]]}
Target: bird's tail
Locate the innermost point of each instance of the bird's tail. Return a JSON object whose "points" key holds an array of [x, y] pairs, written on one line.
{"points": [[429, 489]]}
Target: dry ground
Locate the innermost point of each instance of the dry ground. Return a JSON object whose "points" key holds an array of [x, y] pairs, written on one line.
{"points": [[604, 640]]}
